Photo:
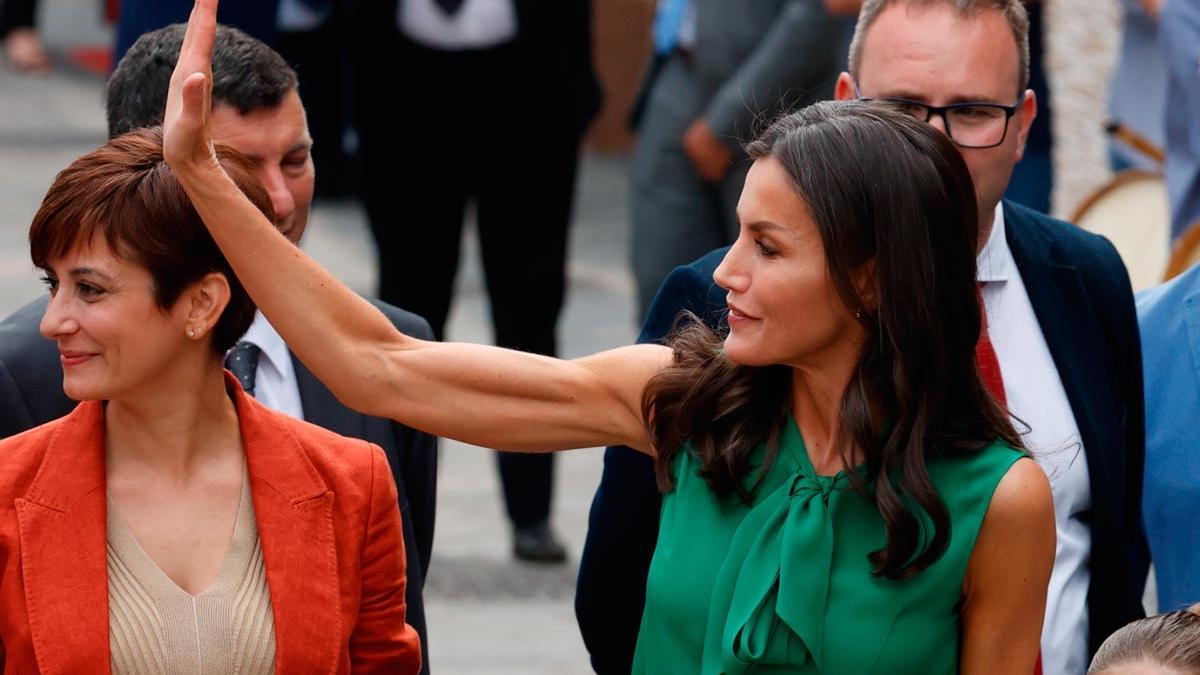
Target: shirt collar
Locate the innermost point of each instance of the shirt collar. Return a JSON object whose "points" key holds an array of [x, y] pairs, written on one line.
{"points": [[262, 335], [995, 261]]}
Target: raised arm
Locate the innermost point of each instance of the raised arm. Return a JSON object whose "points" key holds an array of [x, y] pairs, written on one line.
{"points": [[481, 395]]}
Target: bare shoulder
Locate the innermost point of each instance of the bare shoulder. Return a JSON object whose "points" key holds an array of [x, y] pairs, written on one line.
{"points": [[1018, 532], [1022, 497]]}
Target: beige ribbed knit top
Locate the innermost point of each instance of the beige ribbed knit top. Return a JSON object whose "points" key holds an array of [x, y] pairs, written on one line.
{"points": [[154, 626]]}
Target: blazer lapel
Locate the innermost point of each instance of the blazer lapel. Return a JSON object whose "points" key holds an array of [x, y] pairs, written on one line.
{"points": [[294, 510], [321, 407], [1061, 304], [64, 567]]}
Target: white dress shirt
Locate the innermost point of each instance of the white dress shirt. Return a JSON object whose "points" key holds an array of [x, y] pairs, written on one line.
{"points": [[478, 24], [1047, 425], [275, 383]]}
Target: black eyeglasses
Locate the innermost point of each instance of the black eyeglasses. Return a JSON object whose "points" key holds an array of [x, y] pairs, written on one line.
{"points": [[972, 124]]}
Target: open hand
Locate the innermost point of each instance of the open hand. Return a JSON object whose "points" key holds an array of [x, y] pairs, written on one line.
{"points": [[187, 144]]}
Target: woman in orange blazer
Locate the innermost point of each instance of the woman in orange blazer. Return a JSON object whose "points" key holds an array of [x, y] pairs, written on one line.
{"points": [[163, 448]]}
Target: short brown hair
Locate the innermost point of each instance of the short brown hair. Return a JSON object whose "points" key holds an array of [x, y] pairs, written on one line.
{"points": [[125, 192], [1170, 640], [1013, 10]]}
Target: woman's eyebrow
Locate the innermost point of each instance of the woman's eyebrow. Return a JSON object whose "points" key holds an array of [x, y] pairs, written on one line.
{"points": [[84, 271]]}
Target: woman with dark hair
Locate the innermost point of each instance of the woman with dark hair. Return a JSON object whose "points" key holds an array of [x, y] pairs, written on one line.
{"points": [[844, 495], [1163, 644], [170, 523]]}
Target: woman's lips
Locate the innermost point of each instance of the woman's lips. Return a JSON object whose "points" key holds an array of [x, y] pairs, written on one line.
{"points": [[73, 358], [737, 316]]}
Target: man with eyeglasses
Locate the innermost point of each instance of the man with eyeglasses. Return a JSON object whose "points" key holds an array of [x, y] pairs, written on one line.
{"points": [[1060, 316]]}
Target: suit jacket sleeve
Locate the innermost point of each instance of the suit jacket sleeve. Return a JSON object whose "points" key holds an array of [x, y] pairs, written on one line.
{"points": [[623, 524], [799, 53], [382, 642], [14, 413]]}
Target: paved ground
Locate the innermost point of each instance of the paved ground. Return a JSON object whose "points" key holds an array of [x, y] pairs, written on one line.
{"points": [[487, 614]]}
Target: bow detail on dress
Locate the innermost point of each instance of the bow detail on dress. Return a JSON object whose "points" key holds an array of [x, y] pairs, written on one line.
{"points": [[775, 581]]}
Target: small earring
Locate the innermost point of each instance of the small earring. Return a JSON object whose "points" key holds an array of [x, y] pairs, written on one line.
{"points": [[191, 333], [858, 314]]}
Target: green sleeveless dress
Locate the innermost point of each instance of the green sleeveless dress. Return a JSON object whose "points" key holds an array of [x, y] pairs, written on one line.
{"points": [[783, 584]]}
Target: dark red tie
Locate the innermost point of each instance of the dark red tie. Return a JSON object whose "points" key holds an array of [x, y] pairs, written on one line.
{"points": [[985, 354], [989, 372]]}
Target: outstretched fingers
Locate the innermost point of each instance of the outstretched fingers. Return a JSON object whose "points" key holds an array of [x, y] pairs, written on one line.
{"points": [[186, 139]]}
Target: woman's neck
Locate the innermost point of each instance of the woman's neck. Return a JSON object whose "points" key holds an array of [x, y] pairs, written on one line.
{"points": [[175, 424], [817, 394]]}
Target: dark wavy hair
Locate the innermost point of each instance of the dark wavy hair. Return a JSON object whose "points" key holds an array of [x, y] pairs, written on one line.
{"points": [[124, 192], [881, 187]]}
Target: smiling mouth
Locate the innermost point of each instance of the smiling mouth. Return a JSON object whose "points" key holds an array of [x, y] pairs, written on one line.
{"points": [[74, 358]]}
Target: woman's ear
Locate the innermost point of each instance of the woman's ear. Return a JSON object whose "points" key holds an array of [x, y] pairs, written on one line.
{"points": [[866, 285], [202, 304]]}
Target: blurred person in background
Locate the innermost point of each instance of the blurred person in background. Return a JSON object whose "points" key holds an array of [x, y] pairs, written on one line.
{"points": [[22, 42], [1139, 86], [478, 103], [257, 110], [1061, 326], [720, 68], [170, 523], [1170, 321], [1180, 31]]}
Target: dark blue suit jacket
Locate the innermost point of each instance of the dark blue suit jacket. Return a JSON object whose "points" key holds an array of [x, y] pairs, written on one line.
{"points": [[255, 17], [1081, 295]]}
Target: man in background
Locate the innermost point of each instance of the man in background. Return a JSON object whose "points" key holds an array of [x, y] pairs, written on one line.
{"points": [[478, 103], [721, 69]]}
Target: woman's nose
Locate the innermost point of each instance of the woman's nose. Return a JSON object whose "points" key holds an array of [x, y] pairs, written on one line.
{"points": [[57, 321]]}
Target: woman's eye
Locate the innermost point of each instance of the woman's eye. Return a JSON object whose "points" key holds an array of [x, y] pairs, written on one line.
{"points": [[51, 284], [763, 248], [89, 291]]}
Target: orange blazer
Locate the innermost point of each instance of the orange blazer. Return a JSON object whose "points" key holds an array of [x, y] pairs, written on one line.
{"points": [[328, 526]]}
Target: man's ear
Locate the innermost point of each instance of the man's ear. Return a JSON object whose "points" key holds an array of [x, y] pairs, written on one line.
{"points": [[843, 90], [202, 303], [1026, 114]]}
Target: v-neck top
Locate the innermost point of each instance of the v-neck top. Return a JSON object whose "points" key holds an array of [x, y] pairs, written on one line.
{"points": [[157, 627], [783, 584]]}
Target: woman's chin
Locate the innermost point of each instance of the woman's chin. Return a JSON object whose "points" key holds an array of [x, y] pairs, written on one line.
{"points": [[78, 390]]}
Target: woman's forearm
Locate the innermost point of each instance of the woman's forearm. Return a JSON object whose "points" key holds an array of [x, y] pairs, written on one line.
{"points": [[328, 326], [478, 394]]}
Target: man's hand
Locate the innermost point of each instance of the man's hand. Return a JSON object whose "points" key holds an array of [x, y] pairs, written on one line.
{"points": [[710, 156], [187, 144]]}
